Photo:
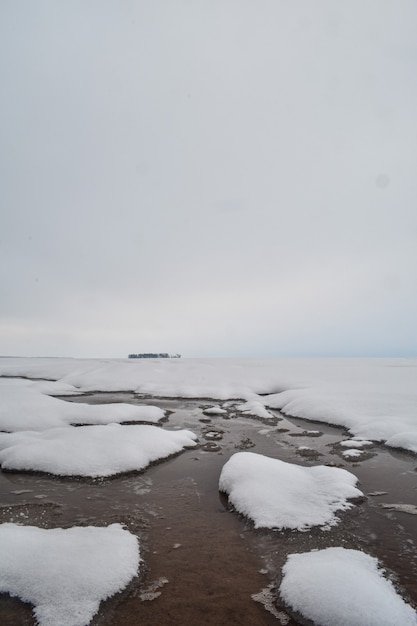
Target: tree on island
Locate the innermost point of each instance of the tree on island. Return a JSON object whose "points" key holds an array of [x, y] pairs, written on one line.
{"points": [[154, 355]]}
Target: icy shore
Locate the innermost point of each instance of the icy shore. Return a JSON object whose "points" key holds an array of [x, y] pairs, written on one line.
{"points": [[374, 398]]}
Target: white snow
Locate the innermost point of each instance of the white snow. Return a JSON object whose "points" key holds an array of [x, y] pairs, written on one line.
{"points": [[55, 388], [254, 407], [275, 494], [215, 410], [356, 443], [352, 453], [24, 406], [66, 573], [343, 587], [407, 440], [375, 399], [90, 450]]}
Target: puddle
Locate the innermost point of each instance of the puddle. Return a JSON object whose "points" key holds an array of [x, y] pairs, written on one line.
{"points": [[203, 563]]}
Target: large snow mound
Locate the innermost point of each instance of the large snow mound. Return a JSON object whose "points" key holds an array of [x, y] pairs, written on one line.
{"points": [[24, 406], [343, 587], [91, 451], [66, 573], [275, 494]]}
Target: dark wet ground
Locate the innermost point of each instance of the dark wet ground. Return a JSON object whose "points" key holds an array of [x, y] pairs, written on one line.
{"points": [[204, 564]]}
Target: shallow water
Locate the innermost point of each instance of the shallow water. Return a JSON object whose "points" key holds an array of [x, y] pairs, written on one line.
{"points": [[204, 563]]}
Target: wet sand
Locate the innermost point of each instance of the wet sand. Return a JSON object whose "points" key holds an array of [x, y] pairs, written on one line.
{"points": [[203, 563]]}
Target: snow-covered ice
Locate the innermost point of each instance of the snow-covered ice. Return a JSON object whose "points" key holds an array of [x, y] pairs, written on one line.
{"points": [[352, 453], [343, 587], [254, 407], [356, 443], [375, 399], [407, 440], [66, 573], [25, 406], [215, 410], [275, 494], [91, 450]]}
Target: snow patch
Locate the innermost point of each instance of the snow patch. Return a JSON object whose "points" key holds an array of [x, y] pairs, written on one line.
{"points": [[275, 494], [91, 451], [66, 573], [356, 443], [343, 587], [406, 440], [256, 408], [352, 453], [24, 407], [215, 410]]}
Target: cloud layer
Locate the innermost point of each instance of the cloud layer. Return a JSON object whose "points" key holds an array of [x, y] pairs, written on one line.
{"points": [[223, 178]]}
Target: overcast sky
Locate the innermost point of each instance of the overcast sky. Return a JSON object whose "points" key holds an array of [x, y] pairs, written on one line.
{"points": [[208, 177]]}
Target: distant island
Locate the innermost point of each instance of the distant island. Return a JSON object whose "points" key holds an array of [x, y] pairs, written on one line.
{"points": [[154, 355]]}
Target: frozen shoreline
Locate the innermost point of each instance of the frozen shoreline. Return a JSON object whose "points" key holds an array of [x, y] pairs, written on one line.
{"points": [[174, 508], [373, 398], [181, 494]]}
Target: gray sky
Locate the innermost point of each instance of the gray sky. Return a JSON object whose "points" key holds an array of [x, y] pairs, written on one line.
{"points": [[215, 178]]}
